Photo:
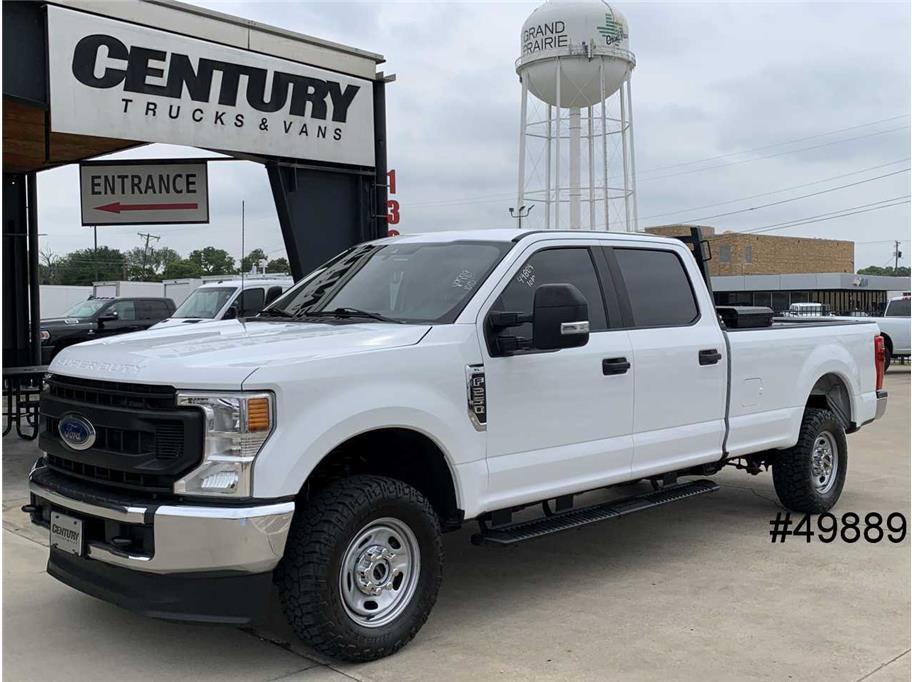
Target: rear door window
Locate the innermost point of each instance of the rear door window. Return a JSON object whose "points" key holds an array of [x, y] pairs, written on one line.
{"points": [[658, 288]]}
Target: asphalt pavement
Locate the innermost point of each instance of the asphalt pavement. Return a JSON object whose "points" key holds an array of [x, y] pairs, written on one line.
{"points": [[693, 590]]}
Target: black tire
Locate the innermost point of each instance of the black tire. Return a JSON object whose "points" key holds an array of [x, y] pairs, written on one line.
{"points": [[321, 536], [887, 358], [799, 487]]}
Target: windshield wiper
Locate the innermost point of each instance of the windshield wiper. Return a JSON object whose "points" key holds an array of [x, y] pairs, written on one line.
{"points": [[276, 312], [346, 313]]}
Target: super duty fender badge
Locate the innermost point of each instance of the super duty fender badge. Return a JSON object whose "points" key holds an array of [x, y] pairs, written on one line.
{"points": [[476, 396]]}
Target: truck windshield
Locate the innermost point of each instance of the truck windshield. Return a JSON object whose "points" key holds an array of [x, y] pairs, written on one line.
{"points": [[898, 308], [204, 303], [420, 283], [87, 308]]}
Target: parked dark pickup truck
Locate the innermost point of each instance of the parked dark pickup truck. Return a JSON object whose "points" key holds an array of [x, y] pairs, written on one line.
{"points": [[100, 317]]}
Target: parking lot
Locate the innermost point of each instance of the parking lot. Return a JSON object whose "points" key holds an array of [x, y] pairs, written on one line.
{"points": [[688, 591]]}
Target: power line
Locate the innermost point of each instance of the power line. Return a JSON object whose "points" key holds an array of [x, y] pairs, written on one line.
{"points": [[803, 196], [776, 191], [821, 217], [779, 144], [772, 156], [491, 198]]}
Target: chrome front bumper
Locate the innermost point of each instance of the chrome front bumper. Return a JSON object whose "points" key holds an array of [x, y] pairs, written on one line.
{"points": [[881, 404], [187, 538]]}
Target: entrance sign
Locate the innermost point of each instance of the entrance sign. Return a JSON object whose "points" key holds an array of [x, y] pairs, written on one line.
{"points": [[144, 192], [118, 80]]}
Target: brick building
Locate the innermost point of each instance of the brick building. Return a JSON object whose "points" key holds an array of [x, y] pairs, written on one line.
{"points": [[776, 271], [739, 253]]}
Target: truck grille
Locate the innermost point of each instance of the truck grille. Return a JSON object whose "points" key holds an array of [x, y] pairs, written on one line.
{"points": [[111, 394], [143, 441]]}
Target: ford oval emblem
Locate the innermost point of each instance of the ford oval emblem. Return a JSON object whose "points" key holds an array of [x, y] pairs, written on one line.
{"points": [[77, 432]]}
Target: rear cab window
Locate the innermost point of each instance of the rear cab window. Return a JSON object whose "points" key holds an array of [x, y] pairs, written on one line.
{"points": [[658, 287]]}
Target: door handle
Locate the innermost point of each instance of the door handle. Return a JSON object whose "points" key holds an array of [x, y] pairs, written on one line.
{"points": [[615, 366], [710, 356]]}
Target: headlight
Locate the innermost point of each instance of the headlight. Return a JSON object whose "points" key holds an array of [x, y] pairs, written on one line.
{"points": [[236, 426], [45, 335]]}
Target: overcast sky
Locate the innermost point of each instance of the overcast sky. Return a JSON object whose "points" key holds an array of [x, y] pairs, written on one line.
{"points": [[731, 100]]}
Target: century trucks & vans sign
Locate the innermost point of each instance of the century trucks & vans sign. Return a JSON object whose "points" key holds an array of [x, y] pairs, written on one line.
{"points": [[144, 192], [112, 79]]}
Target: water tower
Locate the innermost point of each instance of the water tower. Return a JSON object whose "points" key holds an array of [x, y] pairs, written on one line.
{"points": [[576, 154]]}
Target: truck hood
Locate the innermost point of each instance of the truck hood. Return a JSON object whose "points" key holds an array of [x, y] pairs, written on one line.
{"points": [[222, 354], [178, 321]]}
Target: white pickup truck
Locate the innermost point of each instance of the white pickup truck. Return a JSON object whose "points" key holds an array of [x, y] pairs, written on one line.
{"points": [[896, 328], [408, 386]]}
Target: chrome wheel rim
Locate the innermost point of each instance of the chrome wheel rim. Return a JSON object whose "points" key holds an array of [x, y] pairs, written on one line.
{"points": [[824, 462], [379, 572]]}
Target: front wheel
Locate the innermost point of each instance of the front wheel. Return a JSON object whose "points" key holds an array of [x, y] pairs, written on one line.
{"points": [[362, 568], [809, 476]]}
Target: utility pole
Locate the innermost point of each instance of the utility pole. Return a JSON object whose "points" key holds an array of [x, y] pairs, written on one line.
{"points": [[146, 248], [523, 212], [897, 254]]}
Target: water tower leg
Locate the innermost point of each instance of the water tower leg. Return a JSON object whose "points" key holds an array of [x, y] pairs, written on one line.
{"points": [[625, 127], [633, 169], [522, 147], [604, 142], [591, 168], [575, 163], [557, 139], [548, 139]]}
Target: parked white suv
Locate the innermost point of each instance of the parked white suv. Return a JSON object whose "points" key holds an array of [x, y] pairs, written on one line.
{"points": [[225, 300], [409, 386]]}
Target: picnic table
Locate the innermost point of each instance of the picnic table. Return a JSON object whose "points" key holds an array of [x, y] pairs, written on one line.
{"points": [[21, 389]]}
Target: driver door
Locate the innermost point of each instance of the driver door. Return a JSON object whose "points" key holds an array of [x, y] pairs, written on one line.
{"points": [[127, 319], [558, 421]]}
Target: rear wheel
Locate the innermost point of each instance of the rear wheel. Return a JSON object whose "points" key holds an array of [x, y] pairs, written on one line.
{"points": [[362, 568], [809, 476]]}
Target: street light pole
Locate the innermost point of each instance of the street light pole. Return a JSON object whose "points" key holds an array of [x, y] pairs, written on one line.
{"points": [[523, 212]]}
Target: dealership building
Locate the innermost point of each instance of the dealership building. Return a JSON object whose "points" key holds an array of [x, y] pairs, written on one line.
{"points": [[776, 271]]}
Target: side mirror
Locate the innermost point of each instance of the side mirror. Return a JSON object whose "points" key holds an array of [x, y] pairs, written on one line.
{"points": [[560, 317], [109, 316], [232, 312]]}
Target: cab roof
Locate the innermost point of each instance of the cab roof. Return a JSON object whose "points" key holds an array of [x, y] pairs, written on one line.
{"points": [[503, 235]]}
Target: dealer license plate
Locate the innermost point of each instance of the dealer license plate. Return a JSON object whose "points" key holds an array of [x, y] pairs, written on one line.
{"points": [[66, 533]]}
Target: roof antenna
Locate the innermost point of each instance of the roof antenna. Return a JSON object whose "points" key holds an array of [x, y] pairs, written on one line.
{"points": [[241, 298]]}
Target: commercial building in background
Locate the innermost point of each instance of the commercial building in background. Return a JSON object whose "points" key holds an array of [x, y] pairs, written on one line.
{"points": [[776, 271]]}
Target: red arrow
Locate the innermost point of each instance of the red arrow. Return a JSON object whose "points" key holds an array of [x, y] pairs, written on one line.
{"points": [[117, 207]]}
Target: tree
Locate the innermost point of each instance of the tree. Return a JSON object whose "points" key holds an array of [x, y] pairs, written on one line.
{"points": [[278, 265], [182, 268], [212, 261], [149, 266], [901, 271], [84, 267], [252, 258], [47, 266]]}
